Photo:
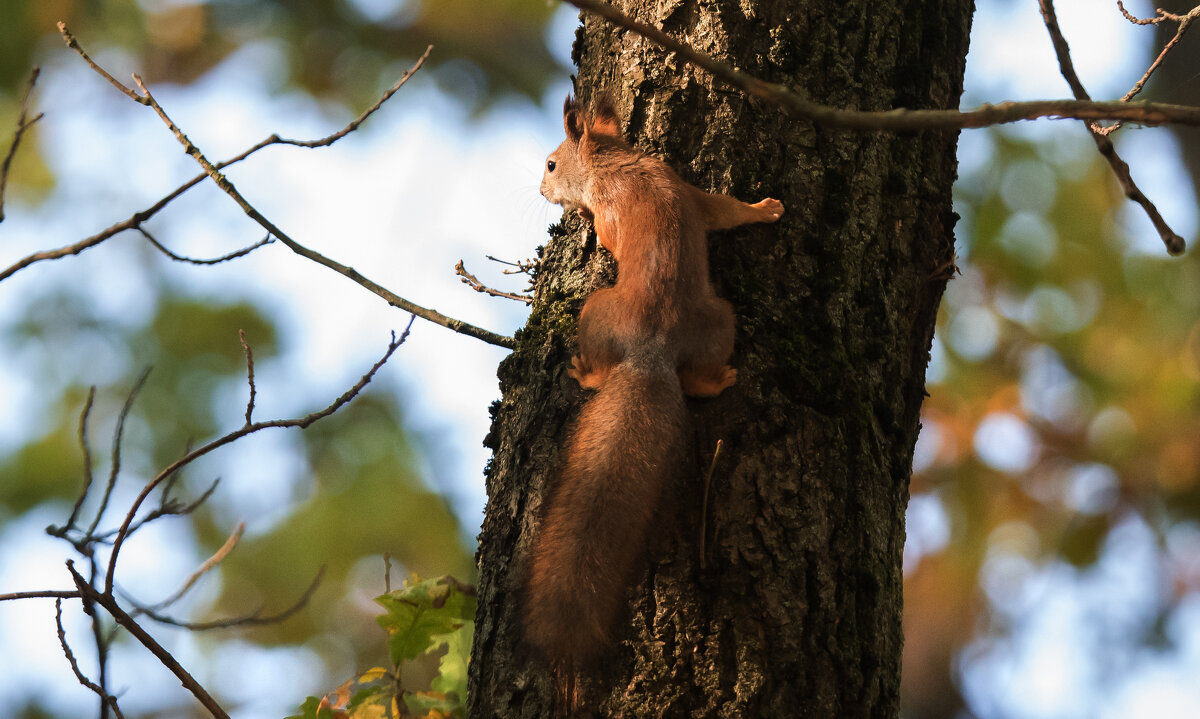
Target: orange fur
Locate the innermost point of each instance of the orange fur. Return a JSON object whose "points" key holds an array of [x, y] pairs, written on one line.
{"points": [[658, 334]]}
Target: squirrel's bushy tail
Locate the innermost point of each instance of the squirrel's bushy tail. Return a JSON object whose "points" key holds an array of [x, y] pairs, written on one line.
{"points": [[627, 444]]}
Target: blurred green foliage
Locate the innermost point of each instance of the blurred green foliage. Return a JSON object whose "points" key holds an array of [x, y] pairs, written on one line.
{"points": [[1064, 397], [353, 491], [347, 50], [338, 496]]}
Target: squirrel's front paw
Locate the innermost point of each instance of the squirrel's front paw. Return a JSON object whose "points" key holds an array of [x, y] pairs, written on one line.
{"points": [[772, 209]]}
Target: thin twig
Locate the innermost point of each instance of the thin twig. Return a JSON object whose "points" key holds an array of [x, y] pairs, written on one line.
{"points": [[396, 301], [22, 126], [138, 218], [1174, 243], [255, 619], [105, 697], [100, 639], [41, 594], [329, 140], [106, 601], [1184, 22], [902, 119], [704, 502], [522, 267], [168, 507], [193, 261], [168, 486], [118, 435], [226, 186], [87, 457], [302, 422], [473, 282], [74, 45], [249, 375], [217, 557], [1160, 15], [898, 120], [1062, 51]]}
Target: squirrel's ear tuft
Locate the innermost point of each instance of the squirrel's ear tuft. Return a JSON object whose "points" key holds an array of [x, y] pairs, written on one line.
{"points": [[604, 116], [572, 122]]}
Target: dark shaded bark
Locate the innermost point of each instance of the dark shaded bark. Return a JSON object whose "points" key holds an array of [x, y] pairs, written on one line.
{"points": [[1176, 79], [790, 606]]}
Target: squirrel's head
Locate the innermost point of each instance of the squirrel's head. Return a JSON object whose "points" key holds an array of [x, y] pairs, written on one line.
{"points": [[569, 167]]}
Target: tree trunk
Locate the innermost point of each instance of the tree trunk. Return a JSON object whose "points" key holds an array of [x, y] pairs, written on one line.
{"points": [[776, 590]]}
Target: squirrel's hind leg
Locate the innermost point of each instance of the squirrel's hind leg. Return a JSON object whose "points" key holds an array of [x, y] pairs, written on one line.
{"points": [[602, 338], [704, 349]]}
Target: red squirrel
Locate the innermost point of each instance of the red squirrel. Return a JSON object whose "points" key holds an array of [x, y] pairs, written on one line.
{"points": [[660, 333]]}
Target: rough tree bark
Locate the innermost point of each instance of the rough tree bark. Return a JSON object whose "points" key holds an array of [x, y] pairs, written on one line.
{"points": [[790, 605]]}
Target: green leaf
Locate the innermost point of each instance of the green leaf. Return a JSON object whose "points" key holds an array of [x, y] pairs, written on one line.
{"points": [[452, 669], [372, 674], [425, 702], [420, 612], [371, 702], [311, 709]]}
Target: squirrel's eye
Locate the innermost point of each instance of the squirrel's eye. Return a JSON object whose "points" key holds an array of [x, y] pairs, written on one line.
{"points": [[550, 165]]}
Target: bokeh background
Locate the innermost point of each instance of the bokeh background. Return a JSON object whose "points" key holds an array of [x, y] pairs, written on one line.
{"points": [[1053, 561]]}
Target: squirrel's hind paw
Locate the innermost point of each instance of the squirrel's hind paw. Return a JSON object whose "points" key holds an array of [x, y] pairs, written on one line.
{"points": [[587, 376], [706, 383]]}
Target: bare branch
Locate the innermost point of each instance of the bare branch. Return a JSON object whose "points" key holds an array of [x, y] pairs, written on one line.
{"points": [[193, 261], [1174, 243], [704, 503], [522, 267], [223, 182], [87, 457], [1159, 16], [393, 299], [1062, 51], [249, 374], [22, 126], [87, 243], [106, 601], [904, 119], [1184, 21], [118, 435], [897, 120], [41, 594], [203, 569], [329, 140], [253, 619], [105, 697], [74, 45], [136, 220], [169, 507], [191, 456], [473, 282]]}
